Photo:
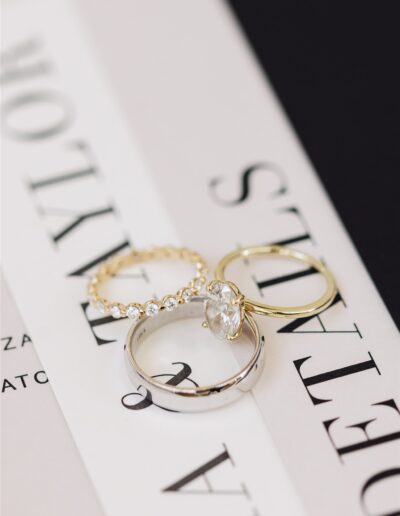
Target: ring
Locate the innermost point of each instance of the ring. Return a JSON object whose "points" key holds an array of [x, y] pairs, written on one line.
{"points": [[136, 311], [192, 399], [226, 306]]}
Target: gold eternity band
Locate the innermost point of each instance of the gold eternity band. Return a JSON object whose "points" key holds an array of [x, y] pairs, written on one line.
{"points": [[281, 311], [137, 310]]}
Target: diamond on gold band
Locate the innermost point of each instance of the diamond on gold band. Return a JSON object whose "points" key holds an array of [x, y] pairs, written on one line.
{"points": [[133, 312], [136, 311], [226, 304], [224, 309]]}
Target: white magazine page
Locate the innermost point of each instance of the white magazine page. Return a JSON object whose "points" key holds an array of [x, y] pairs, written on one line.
{"points": [[232, 173], [42, 471], [74, 191]]}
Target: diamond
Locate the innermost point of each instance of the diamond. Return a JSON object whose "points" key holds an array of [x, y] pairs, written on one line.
{"points": [[116, 311], [170, 303], [152, 308], [100, 307], [187, 295], [133, 313], [224, 314], [216, 287], [198, 283]]}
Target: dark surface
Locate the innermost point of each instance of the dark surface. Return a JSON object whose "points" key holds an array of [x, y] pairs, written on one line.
{"points": [[335, 67]]}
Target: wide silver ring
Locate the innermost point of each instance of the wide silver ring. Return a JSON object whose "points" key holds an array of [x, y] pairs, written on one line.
{"points": [[192, 399]]}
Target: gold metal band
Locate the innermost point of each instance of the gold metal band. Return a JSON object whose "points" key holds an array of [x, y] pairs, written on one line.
{"points": [[281, 311], [137, 310]]}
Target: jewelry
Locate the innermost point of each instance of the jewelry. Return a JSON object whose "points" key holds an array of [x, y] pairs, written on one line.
{"points": [[227, 306], [136, 311], [192, 399]]}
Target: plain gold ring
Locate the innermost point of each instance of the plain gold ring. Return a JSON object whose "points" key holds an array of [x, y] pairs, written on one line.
{"points": [[292, 312]]}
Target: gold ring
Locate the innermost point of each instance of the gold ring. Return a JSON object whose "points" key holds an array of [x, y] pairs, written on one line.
{"points": [[227, 305], [135, 311]]}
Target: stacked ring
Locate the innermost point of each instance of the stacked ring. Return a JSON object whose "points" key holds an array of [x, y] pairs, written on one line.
{"points": [[227, 306], [227, 311], [134, 310]]}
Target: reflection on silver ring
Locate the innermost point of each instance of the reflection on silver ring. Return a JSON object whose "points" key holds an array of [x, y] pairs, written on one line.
{"points": [[192, 399]]}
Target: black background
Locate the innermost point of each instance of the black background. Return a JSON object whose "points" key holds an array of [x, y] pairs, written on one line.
{"points": [[335, 67]]}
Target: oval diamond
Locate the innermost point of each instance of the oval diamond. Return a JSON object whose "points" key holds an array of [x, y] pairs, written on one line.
{"points": [[223, 312]]}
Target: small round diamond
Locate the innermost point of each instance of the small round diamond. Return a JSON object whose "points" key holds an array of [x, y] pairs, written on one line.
{"points": [[152, 308], [187, 295], [116, 311], [198, 283], [101, 308], [133, 313], [170, 303]]}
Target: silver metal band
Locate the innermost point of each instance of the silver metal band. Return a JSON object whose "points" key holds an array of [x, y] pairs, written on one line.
{"points": [[192, 399]]}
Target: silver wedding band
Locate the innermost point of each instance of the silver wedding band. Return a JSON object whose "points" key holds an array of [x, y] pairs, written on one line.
{"points": [[192, 399]]}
